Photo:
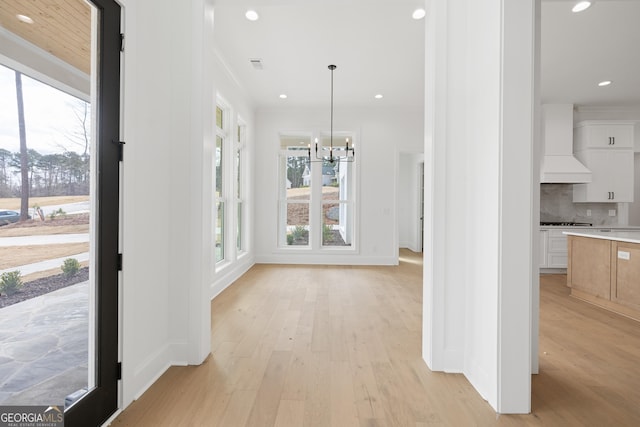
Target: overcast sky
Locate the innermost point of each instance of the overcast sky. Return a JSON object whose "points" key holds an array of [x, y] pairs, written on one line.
{"points": [[49, 116]]}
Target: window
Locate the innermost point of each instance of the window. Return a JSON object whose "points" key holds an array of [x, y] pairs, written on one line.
{"points": [[336, 204], [316, 209], [240, 188], [295, 191], [221, 137], [231, 185]]}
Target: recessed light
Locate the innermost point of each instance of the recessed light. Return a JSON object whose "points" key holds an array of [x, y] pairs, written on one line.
{"points": [[252, 15], [378, 96], [580, 6], [605, 83], [283, 96], [418, 14], [25, 19]]}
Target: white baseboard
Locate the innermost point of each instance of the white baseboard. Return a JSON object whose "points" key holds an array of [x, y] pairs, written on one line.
{"points": [[227, 276], [315, 259]]}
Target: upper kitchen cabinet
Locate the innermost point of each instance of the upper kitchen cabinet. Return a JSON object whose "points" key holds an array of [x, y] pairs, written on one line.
{"points": [[611, 176], [606, 148], [603, 134]]}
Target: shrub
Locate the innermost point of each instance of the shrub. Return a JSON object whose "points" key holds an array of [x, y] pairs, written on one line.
{"points": [[70, 267], [299, 232], [299, 235], [10, 282], [327, 233], [53, 215]]}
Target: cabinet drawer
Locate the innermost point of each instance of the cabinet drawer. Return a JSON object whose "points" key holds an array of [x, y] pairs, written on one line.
{"points": [[558, 244]]}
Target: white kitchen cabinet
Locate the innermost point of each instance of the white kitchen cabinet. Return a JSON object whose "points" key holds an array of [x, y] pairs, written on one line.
{"points": [[606, 148], [553, 248], [603, 134], [543, 248], [557, 249], [611, 176]]}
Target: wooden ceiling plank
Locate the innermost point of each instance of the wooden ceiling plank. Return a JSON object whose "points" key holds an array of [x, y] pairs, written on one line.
{"points": [[62, 28]]}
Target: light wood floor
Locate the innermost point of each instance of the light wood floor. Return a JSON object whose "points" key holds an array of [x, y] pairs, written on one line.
{"points": [[340, 346]]}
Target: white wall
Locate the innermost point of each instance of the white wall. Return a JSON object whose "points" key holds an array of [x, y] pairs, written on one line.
{"points": [[168, 111], [381, 135], [478, 181]]}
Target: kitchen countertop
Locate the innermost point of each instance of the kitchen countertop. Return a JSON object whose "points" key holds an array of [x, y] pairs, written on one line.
{"points": [[621, 236], [587, 227]]}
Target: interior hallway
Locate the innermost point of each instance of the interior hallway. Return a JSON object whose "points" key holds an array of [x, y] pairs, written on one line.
{"points": [[340, 345]]}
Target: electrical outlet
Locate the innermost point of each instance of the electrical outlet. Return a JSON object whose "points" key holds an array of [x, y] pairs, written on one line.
{"points": [[612, 212], [588, 212]]}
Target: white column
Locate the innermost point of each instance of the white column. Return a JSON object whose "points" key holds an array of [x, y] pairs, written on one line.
{"points": [[478, 195], [168, 106]]}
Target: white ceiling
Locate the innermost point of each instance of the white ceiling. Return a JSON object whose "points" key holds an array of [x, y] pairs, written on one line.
{"points": [[379, 48], [578, 50], [376, 45]]}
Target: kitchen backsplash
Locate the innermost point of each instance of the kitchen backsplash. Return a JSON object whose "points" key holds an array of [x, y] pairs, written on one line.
{"points": [[556, 205]]}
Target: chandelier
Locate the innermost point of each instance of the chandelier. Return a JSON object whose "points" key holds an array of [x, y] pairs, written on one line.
{"points": [[332, 154]]}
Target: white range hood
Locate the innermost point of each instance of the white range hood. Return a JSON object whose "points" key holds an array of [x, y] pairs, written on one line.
{"points": [[558, 165]]}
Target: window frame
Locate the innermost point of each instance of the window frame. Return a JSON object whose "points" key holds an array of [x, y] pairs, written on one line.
{"points": [[240, 182], [316, 200], [222, 134]]}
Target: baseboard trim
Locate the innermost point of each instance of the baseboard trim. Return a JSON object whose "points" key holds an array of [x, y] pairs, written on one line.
{"points": [[316, 259]]}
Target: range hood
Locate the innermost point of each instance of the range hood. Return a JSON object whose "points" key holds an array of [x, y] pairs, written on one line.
{"points": [[558, 165]]}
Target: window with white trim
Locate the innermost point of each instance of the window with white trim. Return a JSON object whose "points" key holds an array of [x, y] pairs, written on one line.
{"points": [[220, 193], [316, 198], [240, 196]]}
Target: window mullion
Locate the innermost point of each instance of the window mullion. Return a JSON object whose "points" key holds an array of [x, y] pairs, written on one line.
{"points": [[315, 217]]}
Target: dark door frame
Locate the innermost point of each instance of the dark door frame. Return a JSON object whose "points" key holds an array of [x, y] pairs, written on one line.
{"points": [[100, 402]]}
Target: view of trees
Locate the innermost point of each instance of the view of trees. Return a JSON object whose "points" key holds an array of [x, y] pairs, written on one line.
{"points": [[51, 174], [295, 170], [66, 173]]}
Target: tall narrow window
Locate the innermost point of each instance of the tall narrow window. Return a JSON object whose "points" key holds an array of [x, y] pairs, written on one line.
{"points": [[336, 204], [240, 188], [337, 197], [295, 191], [219, 184]]}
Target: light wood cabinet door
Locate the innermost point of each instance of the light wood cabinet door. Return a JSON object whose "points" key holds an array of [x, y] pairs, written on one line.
{"points": [[627, 283], [589, 268]]}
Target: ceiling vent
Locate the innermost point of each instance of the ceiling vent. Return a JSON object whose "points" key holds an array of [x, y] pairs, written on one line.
{"points": [[256, 63]]}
